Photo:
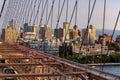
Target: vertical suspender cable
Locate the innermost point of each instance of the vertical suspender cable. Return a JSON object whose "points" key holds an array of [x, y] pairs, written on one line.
{"points": [[89, 7], [22, 15], [25, 12], [40, 1], [16, 8], [114, 28], [19, 12], [51, 10], [28, 12], [10, 11], [58, 18], [52, 19], [2, 8], [76, 14], [33, 11], [60, 14], [5, 16], [104, 13], [71, 18], [47, 10], [67, 10], [43, 12], [58, 9], [51, 14]]}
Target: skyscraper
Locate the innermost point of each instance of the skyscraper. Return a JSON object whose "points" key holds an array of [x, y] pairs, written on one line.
{"points": [[66, 35], [75, 32], [30, 32], [90, 35], [10, 34], [58, 33], [48, 32], [45, 32]]}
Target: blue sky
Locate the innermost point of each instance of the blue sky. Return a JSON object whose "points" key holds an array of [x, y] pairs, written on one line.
{"points": [[113, 7]]}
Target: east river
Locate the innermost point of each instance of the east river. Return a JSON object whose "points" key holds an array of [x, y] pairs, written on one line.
{"points": [[111, 69]]}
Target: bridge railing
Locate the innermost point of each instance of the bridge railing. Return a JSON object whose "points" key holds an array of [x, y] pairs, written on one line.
{"points": [[86, 68]]}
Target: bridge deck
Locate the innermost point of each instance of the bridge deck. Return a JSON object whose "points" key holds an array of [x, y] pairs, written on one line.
{"points": [[43, 65]]}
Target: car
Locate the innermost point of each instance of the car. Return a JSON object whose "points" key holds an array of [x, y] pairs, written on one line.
{"points": [[9, 71]]}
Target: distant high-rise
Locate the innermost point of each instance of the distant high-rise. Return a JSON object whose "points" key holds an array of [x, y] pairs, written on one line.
{"points": [[30, 32], [48, 32], [71, 35], [75, 32], [10, 34], [105, 39], [58, 33], [90, 36], [66, 35], [42, 32], [45, 32]]}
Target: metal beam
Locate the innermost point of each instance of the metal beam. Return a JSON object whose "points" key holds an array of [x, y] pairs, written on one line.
{"points": [[40, 75], [26, 64], [21, 58]]}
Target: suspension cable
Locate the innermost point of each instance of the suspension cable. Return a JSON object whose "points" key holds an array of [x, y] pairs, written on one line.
{"points": [[51, 10], [17, 10], [71, 18], [37, 12], [33, 10], [5, 17], [47, 10], [114, 28], [51, 14], [89, 7], [43, 12], [67, 10], [25, 12], [60, 13], [10, 11], [76, 13], [22, 15], [87, 25], [58, 9], [2, 8], [28, 12], [104, 14], [14, 8], [52, 19]]}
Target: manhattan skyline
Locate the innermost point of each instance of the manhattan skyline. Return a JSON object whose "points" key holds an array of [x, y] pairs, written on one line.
{"points": [[112, 9]]}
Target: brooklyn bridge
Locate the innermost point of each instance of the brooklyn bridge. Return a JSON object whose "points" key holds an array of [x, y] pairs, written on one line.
{"points": [[18, 61]]}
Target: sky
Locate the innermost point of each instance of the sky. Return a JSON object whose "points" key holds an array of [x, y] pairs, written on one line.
{"points": [[112, 9], [1, 2]]}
